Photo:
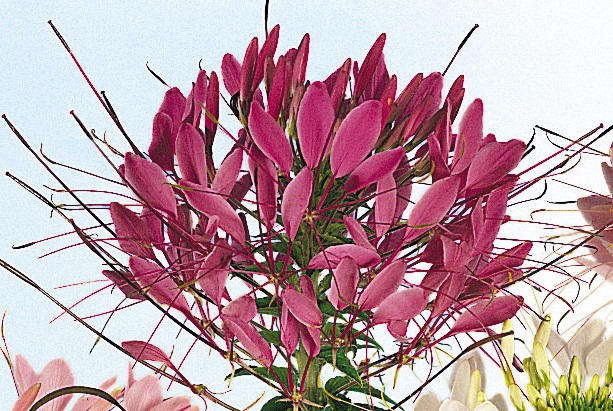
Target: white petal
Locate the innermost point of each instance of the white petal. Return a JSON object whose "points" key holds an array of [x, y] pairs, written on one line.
{"points": [[500, 401], [586, 339], [486, 406], [453, 405], [597, 360], [427, 402], [461, 382]]}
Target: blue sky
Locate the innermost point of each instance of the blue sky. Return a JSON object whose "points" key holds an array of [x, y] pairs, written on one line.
{"points": [[546, 63]]}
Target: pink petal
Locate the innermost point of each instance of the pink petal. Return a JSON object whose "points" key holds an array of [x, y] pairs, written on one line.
{"points": [[277, 89], [154, 226], [607, 172], [269, 138], [132, 232], [455, 96], [311, 339], [486, 313], [303, 308], [332, 256], [173, 105], [337, 94], [56, 374], [267, 187], [212, 204], [402, 305], [290, 331], [373, 169], [432, 207], [212, 106], [344, 286], [308, 288], [250, 62], [190, 154], [494, 217], [24, 374], [227, 174], [382, 286], [253, 342], [387, 100], [242, 309], [355, 138], [369, 65], [268, 50], [128, 290], [231, 73], [385, 204], [295, 201], [160, 286], [149, 182], [448, 293], [26, 400], [300, 62], [93, 403], [144, 394], [161, 149], [436, 151], [175, 404], [195, 100], [511, 258], [357, 232], [597, 211], [493, 162], [214, 271], [406, 96], [469, 137], [145, 351], [314, 121]]}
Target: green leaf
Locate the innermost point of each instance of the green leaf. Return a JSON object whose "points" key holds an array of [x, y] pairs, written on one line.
{"points": [[274, 405], [264, 372], [273, 337], [273, 311], [339, 359], [333, 385]]}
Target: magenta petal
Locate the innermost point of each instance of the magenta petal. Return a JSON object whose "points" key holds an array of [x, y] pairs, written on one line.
{"points": [[56, 374], [493, 162], [337, 94], [303, 308], [432, 207], [160, 286], [268, 50], [253, 342], [494, 217], [228, 171], [242, 309], [212, 204], [373, 169], [277, 89], [486, 313], [385, 204], [307, 288], [145, 351], [402, 305], [127, 289], [355, 138], [213, 272], [448, 293], [267, 188], [509, 259], [161, 149], [382, 286], [173, 105], [231, 73], [345, 281], [300, 62], [469, 137], [190, 155], [369, 65], [387, 100], [250, 62], [149, 182], [332, 256], [311, 339], [269, 138], [132, 232], [357, 232], [315, 118], [212, 107], [295, 201], [196, 100], [290, 331]]}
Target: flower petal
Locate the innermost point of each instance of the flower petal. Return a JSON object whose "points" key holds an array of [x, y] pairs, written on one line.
{"points": [[190, 154], [303, 308], [132, 232], [332, 256], [228, 171], [56, 374], [344, 286], [231, 73], [385, 204], [212, 204], [383, 285], [402, 305], [314, 121], [355, 138], [269, 138], [468, 140], [144, 394], [374, 169], [486, 313], [161, 149], [149, 182], [295, 201], [242, 309], [369, 65]]}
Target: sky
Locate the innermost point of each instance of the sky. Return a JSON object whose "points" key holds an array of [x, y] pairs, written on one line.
{"points": [[533, 63]]}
